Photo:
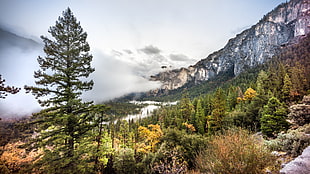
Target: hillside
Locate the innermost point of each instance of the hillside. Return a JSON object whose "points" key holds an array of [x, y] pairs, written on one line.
{"points": [[285, 25]]}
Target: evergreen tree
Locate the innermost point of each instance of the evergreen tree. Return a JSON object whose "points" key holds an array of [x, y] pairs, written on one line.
{"points": [[61, 81], [273, 118], [200, 118], [287, 88], [232, 98], [6, 89], [299, 81], [215, 120], [262, 83], [187, 107]]}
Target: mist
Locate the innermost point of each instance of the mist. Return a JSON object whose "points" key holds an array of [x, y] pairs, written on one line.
{"points": [[18, 61], [115, 78]]}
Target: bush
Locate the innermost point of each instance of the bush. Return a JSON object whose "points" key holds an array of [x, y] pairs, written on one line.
{"points": [[124, 161], [293, 142], [235, 151], [170, 161]]}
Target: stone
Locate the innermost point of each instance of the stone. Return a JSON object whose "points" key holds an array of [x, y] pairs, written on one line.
{"points": [[300, 113], [282, 26], [300, 165]]}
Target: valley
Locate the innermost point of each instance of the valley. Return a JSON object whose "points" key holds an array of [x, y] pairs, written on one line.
{"points": [[243, 109]]}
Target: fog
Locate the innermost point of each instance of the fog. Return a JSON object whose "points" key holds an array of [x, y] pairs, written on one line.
{"points": [[113, 77]]}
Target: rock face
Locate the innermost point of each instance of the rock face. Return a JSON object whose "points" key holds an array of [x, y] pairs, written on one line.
{"points": [[300, 165], [284, 25]]}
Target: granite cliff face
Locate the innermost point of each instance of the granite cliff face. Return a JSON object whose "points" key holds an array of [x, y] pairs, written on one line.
{"points": [[282, 26]]}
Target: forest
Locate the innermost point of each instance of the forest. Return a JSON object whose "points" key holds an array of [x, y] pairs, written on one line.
{"points": [[225, 125]]}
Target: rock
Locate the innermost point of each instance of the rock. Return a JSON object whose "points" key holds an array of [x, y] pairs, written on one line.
{"points": [[284, 25], [306, 100], [300, 165], [300, 114], [278, 154]]}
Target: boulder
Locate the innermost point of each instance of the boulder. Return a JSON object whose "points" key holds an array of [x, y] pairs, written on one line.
{"points": [[300, 165]]}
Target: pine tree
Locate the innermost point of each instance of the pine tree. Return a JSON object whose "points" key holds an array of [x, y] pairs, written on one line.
{"points": [[215, 120], [287, 88], [187, 107], [262, 83], [199, 121], [273, 118], [299, 81], [61, 81], [6, 89]]}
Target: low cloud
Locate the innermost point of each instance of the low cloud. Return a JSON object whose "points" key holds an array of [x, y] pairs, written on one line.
{"points": [[150, 50], [16, 67], [127, 51], [115, 78], [179, 57]]}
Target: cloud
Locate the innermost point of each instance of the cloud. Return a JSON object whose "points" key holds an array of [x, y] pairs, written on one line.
{"points": [[150, 50], [17, 65], [117, 53], [115, 78], [179, 57], [128, 51]]}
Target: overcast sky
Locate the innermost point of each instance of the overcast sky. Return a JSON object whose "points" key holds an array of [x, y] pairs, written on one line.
{"points": [[130, 39]]}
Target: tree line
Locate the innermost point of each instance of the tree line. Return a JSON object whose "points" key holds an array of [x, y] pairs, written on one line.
{"points": [[72, 136]]}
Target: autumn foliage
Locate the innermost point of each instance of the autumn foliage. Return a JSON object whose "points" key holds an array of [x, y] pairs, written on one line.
{"points": [[150, 137], [235, 151]]}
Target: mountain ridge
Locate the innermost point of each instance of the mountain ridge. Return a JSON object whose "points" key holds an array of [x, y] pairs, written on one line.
{"points": [[9, 39], [254, 46]]}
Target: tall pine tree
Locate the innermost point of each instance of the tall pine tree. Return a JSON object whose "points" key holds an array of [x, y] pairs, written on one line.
{"points": [[215, 120], [200, 120], [60, 82]]}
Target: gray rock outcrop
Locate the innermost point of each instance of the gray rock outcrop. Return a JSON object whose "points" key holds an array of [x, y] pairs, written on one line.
{"points": [[300, 165], [282, 26]]}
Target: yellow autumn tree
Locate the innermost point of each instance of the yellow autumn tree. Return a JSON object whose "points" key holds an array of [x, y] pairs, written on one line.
{"points": [[248, 95], [150, 137]]}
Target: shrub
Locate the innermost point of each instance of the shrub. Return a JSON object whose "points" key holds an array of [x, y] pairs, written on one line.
{"points": [[293, 142], [124, 161], [170, 161], [235, 151]]}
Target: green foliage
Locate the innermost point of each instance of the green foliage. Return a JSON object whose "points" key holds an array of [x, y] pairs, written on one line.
{"points": [[188, 144], [273, 118], [4, 90], [61, 80], [287, 90], [234, 151], [124, 161], [215, 120], [200, 119], [186, 107]]}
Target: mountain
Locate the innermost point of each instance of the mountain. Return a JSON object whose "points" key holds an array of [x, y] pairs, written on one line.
{"points": [[284, 25], [9, 40]]}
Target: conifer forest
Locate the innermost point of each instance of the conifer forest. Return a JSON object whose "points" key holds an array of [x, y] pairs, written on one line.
{"points": [[249, 123]]}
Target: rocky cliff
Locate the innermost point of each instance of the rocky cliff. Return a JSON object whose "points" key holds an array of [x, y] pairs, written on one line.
{"points": [[282, 26]]}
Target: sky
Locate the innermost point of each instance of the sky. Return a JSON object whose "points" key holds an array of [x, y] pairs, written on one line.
{"points": [[129, 39]]}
